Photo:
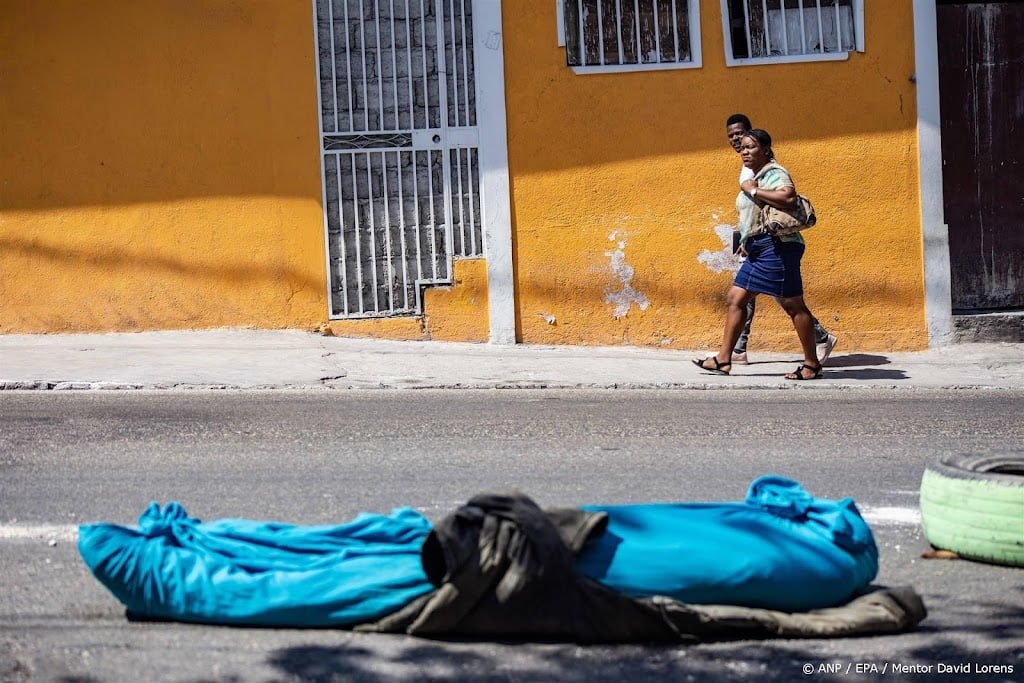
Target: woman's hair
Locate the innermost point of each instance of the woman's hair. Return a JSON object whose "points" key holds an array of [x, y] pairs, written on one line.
{"points": [[763, 139]]}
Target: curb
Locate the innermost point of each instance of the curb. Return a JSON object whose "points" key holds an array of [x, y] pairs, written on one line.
{"points": [[415, 385]]}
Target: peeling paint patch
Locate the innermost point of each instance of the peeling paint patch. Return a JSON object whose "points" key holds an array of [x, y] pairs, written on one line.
{"points": [[721, 261], [548, 318], [628, 296]]}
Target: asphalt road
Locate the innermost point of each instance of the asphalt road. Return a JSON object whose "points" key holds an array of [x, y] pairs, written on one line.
{"points": [[311, 458]]}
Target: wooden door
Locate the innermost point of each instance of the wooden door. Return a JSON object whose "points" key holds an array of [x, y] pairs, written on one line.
{"points": [[981, 84]]}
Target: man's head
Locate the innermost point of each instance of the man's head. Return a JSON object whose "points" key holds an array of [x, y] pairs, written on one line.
{"points": [[735, 126]]}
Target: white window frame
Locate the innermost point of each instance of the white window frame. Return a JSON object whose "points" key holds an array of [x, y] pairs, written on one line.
{"points": [[858, 37], [693, 13]]}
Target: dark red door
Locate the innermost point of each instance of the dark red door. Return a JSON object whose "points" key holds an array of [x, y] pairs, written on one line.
{"points": [[981, 95]]}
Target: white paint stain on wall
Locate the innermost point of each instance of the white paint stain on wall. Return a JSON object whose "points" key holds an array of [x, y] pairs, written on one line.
{"points": [[627, 296], [724, 260]]}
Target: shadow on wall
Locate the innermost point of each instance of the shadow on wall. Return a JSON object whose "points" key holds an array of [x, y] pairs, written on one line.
{"points": [[220, 99], [108, 103], [119, 258], [559, 119]]}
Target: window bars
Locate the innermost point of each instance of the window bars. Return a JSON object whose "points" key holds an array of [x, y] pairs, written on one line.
{"points": [[783, 28], [626, 32]]}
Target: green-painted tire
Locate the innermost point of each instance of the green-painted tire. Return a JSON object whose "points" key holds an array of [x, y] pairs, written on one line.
{"points": [[974, 506]]}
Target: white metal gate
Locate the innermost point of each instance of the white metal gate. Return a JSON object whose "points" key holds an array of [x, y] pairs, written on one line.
{"points": [[399, 149]]}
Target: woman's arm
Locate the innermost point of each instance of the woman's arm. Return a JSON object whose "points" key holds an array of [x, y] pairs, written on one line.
{"points": [[783, 198]]}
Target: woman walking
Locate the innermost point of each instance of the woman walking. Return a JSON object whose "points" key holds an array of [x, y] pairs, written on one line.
{"points": [[772, 265]]}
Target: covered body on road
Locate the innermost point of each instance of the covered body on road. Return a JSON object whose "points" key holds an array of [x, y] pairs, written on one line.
{"points": [[781, 562]]}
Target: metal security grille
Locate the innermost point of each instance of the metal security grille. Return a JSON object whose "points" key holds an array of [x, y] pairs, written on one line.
{"points": [[399, 144], [774, 28], [621, 32]]}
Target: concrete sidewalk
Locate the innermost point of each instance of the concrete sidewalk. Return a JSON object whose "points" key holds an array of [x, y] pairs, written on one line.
{"points": [[258, 359]]}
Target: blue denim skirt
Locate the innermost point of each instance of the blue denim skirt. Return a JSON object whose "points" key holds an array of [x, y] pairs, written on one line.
{"points": [[772, 267]]}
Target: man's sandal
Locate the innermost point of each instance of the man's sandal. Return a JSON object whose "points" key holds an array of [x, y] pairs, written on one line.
{"points": [[718, 368], [799, 372]]}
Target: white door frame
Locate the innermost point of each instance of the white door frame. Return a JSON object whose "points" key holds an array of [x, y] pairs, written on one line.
{"points": [[937, 284], [494, 176]]}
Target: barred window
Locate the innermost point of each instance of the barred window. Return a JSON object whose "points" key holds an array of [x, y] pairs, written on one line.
{"points": [[630, 35], [769, 31]]}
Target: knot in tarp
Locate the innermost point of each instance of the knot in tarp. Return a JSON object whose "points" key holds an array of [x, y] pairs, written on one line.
{"points": [[780, 496], [172, 521], [838, 521]]}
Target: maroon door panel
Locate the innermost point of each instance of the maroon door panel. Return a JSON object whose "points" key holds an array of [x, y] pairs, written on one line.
{"points": [[981, 93]]}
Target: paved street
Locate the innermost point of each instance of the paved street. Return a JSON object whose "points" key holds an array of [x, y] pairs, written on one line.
{"points": [[316, 457]]}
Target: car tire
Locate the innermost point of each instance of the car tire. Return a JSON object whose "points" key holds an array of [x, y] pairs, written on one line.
{"points": [[973, 505]]}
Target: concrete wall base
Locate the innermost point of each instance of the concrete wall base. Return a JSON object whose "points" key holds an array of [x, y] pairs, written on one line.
{"points": [[989, 327]]}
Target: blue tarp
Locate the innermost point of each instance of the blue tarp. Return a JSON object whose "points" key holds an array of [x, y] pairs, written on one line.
{"points": [[779, 549], [236, 571]]}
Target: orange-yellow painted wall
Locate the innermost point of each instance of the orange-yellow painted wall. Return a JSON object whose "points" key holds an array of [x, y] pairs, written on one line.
{"points": [[459, 312], [456, 312], [624, 189], [159, 166], [159, 169]]}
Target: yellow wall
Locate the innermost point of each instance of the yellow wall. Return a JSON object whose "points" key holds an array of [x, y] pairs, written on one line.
{"points": [[624, 188], [456, 312], [159, 169], [159, 166]]}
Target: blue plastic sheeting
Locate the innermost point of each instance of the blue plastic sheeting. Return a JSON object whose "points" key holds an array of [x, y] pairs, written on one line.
{"points": [[781, 549], [235, 571]]}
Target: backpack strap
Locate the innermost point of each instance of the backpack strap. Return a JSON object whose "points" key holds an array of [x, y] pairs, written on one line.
{"points": [[770, 166]]}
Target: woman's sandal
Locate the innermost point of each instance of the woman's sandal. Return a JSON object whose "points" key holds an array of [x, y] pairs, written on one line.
{"points": [[799, 372], [718, 369]]}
